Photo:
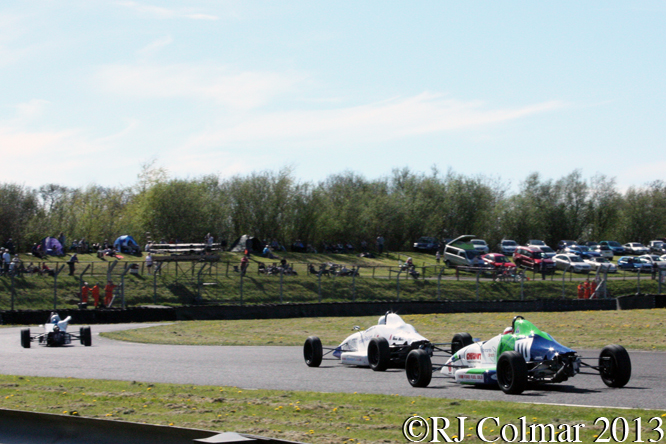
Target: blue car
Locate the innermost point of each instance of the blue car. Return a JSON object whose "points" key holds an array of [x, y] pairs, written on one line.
{"points": [[617, 247], [630, 263], [582, 251]]}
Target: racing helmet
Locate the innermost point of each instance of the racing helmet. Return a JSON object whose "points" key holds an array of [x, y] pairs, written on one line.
{"points": [[507, 331], [55, 318]]}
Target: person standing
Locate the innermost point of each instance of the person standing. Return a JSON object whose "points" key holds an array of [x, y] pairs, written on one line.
{"points": [[72, 264], [149, 262], [380, 244], [95, 294], [6, 259], [108, 293]]}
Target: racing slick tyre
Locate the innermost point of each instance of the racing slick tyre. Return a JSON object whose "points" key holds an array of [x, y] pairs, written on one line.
{"points": [[379, 354], [460, 340], [25, 337], [86, 336], [313, 352], [614, 365], [418, 368], [512, 372]]}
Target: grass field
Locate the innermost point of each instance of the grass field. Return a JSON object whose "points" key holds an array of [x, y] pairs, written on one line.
{"points": [[635, 329]]}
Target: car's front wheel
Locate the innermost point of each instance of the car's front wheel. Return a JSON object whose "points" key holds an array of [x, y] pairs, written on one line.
{"points": [[614, 366], [25, 338], [460, 340], [418, 368], [313, 352], [379, 354], [512, 372], [86, 336]]}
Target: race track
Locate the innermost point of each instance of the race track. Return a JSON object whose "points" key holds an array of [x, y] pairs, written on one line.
{"points": [[283, 368]]}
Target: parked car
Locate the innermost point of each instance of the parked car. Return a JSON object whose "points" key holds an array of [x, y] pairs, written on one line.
{"points": [[507, 247], [630, 263], [582, 251], [460, 251], [531, 257], [635, 248], [604, 251], [498, 260], [536, 243], [561, 245], [601, 263], [657, 247], [591, 244], [571, 262], [618, 249], [654, 260], [480, 245], [547, 251], [426, 244]]}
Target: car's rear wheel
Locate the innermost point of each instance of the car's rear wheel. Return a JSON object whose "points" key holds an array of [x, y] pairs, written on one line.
{"points": [[25, 338], [512, 372], [313, 352], [614, 366], [460, 340], [379, 354], [418, 368], [86, 336]]}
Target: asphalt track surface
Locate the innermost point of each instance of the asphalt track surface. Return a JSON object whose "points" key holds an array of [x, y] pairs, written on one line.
{"points": [[283, 368]]}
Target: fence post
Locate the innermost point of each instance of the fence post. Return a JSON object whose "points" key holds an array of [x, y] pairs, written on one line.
{"points": [[354, 273], [564, 275], [281, 281], [319, 283], [13, 292], [157, 266], [398, 285], [439, 280], [638, 281], [478, 275]]}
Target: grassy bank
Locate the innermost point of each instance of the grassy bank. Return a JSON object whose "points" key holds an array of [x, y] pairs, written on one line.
{"points": [[300, 416], [634, 329]]}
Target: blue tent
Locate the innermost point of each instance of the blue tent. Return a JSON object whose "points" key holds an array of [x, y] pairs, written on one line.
{"points": [[51, 246], [126, 244]]}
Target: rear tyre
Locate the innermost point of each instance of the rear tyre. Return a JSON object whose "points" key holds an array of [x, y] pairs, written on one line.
{"points": [[418, 368], [512, 372], [86, 336], [313, 352], [614, 366], [379, 354], [460, 340], [25, 338]]}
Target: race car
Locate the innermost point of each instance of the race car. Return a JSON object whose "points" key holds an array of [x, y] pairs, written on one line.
{"points": [[386, 344], [55, 333], [522, 354]]}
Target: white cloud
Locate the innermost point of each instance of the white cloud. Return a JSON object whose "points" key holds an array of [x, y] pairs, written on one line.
{"points": [[241, 90], [166, 13], [156, 45], [391, 119]]}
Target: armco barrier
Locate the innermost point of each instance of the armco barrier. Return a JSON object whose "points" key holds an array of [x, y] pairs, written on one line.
{"points": [[219, 312], [36, 428]]}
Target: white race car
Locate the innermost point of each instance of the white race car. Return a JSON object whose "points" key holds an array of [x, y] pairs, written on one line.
{"points": [[55, 334], [386, 344]]}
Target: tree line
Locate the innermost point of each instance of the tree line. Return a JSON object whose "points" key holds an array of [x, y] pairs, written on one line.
{"points": [[345, 207]]}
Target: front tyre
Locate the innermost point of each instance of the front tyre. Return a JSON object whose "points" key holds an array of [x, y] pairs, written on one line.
{"points": [[25, 338], [512, 373], [379, 354], [614, 366], [86, 336], [313, 352], [418, 368], [460, 340]]}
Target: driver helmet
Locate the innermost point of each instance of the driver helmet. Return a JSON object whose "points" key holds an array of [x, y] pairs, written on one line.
{"points": [[508, 331], [55, 318]]}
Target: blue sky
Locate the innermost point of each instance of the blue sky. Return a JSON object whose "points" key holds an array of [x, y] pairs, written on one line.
{"points": [[92, 90]]}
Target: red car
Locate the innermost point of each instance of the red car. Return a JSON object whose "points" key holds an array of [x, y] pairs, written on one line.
{"points": [[497, 260], [532, 257]]}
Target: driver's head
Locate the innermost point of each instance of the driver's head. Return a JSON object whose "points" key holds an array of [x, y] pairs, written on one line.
{"points": [[508, 331]]}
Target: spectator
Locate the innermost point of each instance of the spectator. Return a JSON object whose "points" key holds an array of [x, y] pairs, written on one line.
{"points": [[438, 256], [149, 262], [380, 244], [37, 251], [6, 260], [72, 264], [10, 246], [245, 261], [61, 239], [267, 252]]}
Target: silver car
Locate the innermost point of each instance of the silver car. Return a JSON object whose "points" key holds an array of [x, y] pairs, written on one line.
{"points": [[601, 263], [571, 262]]}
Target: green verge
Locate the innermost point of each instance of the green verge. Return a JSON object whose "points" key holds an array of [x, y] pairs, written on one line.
{"points": [[634, 329], [318, 418]]}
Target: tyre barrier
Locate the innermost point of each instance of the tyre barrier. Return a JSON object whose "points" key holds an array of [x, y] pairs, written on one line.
{"points": [[333, 309]]}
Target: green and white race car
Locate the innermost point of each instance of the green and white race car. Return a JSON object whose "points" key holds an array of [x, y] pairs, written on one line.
{"points": [[522, 354]]}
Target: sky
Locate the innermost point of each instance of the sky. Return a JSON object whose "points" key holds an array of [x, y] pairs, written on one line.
{"points": [[91, 91]]}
